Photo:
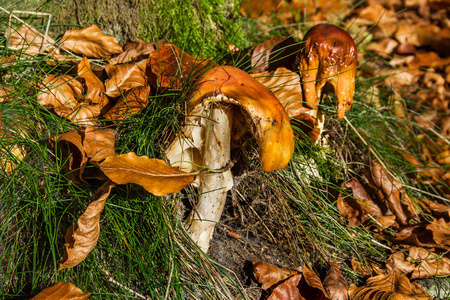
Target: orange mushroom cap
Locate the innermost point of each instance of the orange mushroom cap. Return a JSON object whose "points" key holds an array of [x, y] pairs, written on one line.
{"points": [[263, 112], [329, 55]]}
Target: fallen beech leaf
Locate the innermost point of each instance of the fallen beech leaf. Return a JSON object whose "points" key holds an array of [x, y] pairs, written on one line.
{"points": [[77, 159], [316, 288], [170, 67], [134, 51], [28, 40], [391, 190], [278, 52], [441, 233], [95, 87], [306, 286], [383, 48], [86, 236], [257, 8], [98, 144], [132, 102], [153, 174], [268, 274], [90, 41], [84, 115], [419, 263], [357, 208], [335, 284], [62, 291], [428, 59], [393, 286], [124, 77], [61, 93], [288, 290]]}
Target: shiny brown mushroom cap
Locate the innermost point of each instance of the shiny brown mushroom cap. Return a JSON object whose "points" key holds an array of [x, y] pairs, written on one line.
{"points": [[329, 55], [264, 114]]}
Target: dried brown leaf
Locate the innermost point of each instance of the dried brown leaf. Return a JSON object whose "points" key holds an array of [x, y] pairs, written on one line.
{"points": [[428, 59], [74, 156], [288, 290], [419, 262], [440, 230], [268, 274], [392, 191], [95, 87], [393, 286], [90, 41], [62, 291], [316, 289], [84, 115], [132, 102], [257, 8], [278, 52], [60, 92], [98, 144], [170, 67], [124, 77], [358, 206], [153, 174], [28, 40], [335, 284], [134, 51], [85, 237]]}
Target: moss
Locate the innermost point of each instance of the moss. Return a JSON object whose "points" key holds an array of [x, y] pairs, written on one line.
{"points": [[199, 27]]}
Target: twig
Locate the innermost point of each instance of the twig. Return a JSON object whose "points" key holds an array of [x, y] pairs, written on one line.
{"points": [[113, 281]]}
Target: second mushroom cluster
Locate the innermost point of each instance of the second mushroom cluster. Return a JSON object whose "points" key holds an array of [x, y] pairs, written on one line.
{"points": [[228, 107]]}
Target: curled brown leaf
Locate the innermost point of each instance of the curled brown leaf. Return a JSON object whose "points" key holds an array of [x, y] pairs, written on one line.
{"points": [[134, 51], [170, 67], [85, 237], [95, 87], [62, 291], [278, 52], [98, 144], [132, 102], [391, 286], [391, 190], [268, 274], [60, 92], [90, 41], [335, 284], [419, 262], [358, 205], [124, 77], [153, 174]]}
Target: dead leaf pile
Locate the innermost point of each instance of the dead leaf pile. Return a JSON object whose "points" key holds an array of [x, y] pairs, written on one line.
{"points": [[281, 283], [89, 95]]}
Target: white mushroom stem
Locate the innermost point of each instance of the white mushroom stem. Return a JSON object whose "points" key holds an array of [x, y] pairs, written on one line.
{"points": [[213, 187]]}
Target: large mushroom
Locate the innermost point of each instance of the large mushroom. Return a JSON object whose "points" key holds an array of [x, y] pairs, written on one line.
{"points": [[225, 106], [329, 55]]}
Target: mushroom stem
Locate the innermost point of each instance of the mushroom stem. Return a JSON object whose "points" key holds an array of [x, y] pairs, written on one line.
{"points": [[212, 187]]}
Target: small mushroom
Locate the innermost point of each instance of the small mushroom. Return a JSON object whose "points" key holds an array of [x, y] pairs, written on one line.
{"points": [[227, 104], [329, 55]]}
